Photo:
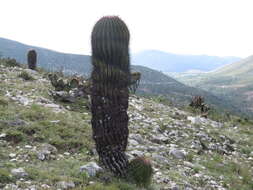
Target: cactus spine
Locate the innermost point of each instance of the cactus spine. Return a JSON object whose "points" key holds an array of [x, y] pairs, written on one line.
{"points": [[32, 59], [109, 93]]}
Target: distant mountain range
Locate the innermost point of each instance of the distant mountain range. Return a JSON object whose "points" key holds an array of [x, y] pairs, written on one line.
{"points": [[152, 82], [168, 62]]}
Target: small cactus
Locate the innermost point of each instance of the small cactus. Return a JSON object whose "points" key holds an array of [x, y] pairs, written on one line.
{"points": [[32, 59], [56, 82], [140, 171], [198, 102], [73, 83], [135, 81]]}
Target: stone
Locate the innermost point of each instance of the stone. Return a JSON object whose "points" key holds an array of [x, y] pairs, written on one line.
{"points": [[28, 146], [138, 138], [160, 159], [52, 106], [45, 151], [23, 100], [132, 142], [2, 135], [66, 153], [65, 185], [91, 168], [178, 154], [194, 120], [188, 164], [19, 172], [188, 188], [159, 139], [11, 187], [31, 72], [136, 153], [175, 188], [17, 122], [12, 155]]}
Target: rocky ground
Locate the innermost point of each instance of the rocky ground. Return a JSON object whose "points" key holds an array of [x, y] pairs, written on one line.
{"points": [[45, 144]]}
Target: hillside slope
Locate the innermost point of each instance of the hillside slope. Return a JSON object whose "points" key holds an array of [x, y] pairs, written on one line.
{"points": [[45, 143], [168, 62], [152, 81], [243, 67], [233, 82], [48, 59], [157, 83]]}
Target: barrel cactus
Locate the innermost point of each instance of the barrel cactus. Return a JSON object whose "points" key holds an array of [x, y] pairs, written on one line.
{"points": [[32, 59], [140, 171], [109, 93]]}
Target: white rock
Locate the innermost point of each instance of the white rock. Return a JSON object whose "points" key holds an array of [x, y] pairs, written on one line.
{"points": [[137, 153], [91, 168], [19, 172], [66, 153], [23, 100], [12, 155], [65, 185], [28, 146], [2, 135], [132, 142], [177, 153], [194, 120], [45, 151]]}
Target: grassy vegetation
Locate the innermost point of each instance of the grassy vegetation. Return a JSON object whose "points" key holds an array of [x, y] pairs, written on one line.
{"points": [[63, 130], [25, 75], [70, 132], [235, 175]]}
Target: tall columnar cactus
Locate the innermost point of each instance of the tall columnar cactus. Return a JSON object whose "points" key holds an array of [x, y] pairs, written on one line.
{"points": [[109, 93], [32, 59]]}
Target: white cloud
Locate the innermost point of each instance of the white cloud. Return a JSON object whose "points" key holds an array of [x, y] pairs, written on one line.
{"points": [[214, 27]]}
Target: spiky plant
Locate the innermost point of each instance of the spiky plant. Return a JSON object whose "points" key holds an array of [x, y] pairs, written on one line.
{"points": [[109, 94], [135, 81], [140, 171], [32, 59], [73, 83]]}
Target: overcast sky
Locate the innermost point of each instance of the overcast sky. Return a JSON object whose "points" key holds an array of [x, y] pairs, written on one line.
{"points": [[212, 27]]}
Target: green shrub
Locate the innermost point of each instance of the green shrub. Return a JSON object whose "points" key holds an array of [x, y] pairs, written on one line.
{"points": [[113, 186], [5, 176], [100, 186], [26, 76], [3, 102], [11, 62], [14, 136]]}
